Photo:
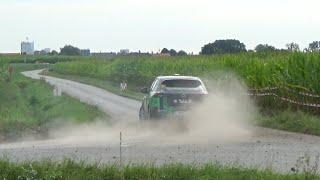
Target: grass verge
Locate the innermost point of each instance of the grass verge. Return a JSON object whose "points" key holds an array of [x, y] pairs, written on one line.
{"points": [[20, 67], [295, 121], [29, 107], [131, 92], [69, 169]]}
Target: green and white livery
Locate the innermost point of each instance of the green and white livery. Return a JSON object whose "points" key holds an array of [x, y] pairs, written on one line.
{"points": [[170, 95]]}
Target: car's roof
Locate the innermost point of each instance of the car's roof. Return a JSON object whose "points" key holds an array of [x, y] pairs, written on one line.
{"points": [[163, 78]]}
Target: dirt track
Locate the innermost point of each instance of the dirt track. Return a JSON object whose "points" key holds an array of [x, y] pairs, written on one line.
{"points": [[265, 148]]}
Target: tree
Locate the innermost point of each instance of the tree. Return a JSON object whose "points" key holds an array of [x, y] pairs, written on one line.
{"points": [[70, 51], [173, 52], [293, 47], [314, 46], [182, 53], [53, 52], [223, 47], [264, 48], [165, 51]]}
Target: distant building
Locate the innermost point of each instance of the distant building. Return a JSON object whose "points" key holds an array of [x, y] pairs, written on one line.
{"points": [[85, 52], [124, 51], [37, 53], [46, 50], [27, 48]]}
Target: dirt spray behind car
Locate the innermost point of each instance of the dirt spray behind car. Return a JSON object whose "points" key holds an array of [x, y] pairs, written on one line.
{"points": [[222, 117]]}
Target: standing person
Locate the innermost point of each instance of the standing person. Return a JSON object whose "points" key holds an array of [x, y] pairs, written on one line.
{"points": [[123, 86]]}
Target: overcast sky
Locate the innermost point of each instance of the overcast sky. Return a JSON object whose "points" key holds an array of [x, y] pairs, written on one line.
{"points": [[149, 25]]}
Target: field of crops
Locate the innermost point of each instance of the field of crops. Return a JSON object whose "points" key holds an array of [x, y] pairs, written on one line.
{"points": [[39, 59], [296, 70]]}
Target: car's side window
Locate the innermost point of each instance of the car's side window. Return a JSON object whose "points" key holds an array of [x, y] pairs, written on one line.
{"points": [[153, 86]]}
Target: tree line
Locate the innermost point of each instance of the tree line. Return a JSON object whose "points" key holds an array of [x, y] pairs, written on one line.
{"points": [[226, 46], [230, 46]]}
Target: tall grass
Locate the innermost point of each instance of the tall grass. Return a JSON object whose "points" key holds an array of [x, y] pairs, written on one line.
{"points": [[28, 106], [291, 121], [297, 70], [40, 59], [69, 169]]}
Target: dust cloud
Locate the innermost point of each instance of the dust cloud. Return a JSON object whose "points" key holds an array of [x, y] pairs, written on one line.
{"points": [[222, 117]]}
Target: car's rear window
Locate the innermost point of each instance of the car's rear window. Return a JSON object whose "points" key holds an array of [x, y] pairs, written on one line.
{"points": [[181, 83]]}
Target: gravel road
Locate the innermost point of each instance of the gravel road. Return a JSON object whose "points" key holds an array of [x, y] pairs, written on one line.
{"points": [[263, 148]]}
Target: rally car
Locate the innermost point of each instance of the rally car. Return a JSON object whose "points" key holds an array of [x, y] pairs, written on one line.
{"points": [[171, 95]]}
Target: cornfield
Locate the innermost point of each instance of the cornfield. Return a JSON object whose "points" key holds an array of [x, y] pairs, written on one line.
{"points": [[295, 70], [293, 74]]}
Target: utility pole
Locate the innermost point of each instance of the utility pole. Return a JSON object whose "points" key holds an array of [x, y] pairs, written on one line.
{"points": [[120, 149]]}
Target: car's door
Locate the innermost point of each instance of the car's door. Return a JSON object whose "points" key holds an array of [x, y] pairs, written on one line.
{"points": [[148, 96]]}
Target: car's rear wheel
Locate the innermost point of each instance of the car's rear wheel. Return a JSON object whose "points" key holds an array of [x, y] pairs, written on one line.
{"points": [[142, 114]]}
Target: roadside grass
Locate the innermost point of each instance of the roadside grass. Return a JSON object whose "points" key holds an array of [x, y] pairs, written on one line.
{"points": [[132, 91], [69, 169], [29, 107], [20, 67], [289, 120]]}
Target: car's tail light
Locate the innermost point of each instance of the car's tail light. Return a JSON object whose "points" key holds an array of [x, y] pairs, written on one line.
{"points": [[157, 94]]}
